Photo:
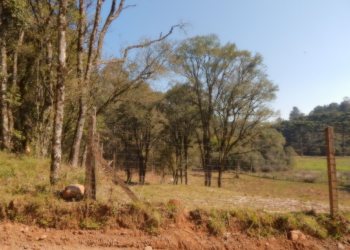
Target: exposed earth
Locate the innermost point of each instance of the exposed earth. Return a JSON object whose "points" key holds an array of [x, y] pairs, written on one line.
{"points": [[184, 236]]}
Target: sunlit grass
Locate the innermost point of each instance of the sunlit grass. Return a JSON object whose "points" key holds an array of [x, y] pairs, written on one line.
{"points": [[28, 178], [319, 163]]}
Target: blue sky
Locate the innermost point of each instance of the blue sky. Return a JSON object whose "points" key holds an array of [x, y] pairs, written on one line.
{"points": [[305, 43]]}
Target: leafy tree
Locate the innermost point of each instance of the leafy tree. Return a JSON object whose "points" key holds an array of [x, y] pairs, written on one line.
{"points": [[230, 90], [181, 122], [138, 125]]}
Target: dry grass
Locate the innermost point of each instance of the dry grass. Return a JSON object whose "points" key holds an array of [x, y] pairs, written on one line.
{"points": [[26, 197], [25, 178]]}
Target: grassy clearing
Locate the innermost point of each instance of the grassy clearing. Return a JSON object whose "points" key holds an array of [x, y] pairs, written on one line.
{"points": [[316, 163], [25, 178], [27, 197]]}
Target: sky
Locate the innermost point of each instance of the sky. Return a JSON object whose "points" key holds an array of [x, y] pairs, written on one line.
{"points": [[305, 43]]}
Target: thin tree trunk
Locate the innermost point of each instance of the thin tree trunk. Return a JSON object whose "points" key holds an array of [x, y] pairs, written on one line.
{"points": [[56, 153], [83, 159], [114, 160], [186, 165], [128, 175], [219, 176], [5, 138], [75, 150], [14, 82], [140, 171], [91, 161], [238, 167]]}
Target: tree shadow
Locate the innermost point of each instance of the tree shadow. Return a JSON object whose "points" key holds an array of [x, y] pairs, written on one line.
{"points": [[344, 188]]}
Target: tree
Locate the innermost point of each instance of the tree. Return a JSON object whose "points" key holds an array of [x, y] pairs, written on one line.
{"points": [[181, 122], [138, 125], [12, 19], [295, 114], [241, 107], [228, 85], [95, 44], [56, 154]]}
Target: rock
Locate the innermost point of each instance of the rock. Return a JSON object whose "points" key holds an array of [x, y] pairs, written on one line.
{"points": [[227, 235], [42, 237], [148, 248], [296, 235], [25, 229], [340, 246], [73, 192]]}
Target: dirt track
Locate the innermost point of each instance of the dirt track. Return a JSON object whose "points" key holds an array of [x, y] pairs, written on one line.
{"points": [[17, 236]]}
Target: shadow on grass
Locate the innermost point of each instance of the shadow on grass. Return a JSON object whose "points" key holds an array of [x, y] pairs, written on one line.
{"points": [[344, 188]]}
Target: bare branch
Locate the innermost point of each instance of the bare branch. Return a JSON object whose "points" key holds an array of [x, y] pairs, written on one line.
{"points": [[149, 43]]}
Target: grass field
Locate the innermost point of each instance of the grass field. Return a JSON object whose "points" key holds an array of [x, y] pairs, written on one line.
{"points": [[317, 163], [27, 178], [259, 207]]}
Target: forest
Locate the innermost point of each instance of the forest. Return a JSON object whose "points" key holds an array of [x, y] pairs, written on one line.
{"points": [[305, 133]]}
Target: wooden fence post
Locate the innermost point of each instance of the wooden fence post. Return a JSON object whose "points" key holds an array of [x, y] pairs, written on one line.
{"points": [[332, 173], [91, 161]]}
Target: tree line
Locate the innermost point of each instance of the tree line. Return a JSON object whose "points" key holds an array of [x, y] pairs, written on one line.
{"points": [[305, 133], [53, 75]]}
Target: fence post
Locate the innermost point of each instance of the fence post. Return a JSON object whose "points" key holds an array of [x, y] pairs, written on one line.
{"points": [[332, 173]]}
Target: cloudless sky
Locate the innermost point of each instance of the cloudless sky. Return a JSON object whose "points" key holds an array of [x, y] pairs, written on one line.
{"points": [[305, 43]]}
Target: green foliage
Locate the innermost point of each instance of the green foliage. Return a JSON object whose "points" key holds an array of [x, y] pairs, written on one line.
{"points": [[218, 222], [305, 133], [89, 224]]}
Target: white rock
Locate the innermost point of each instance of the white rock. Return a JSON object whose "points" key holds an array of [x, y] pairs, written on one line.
{"points": [[341, 246], [296, 235]]}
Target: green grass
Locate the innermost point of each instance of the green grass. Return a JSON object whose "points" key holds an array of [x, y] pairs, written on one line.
{"points": [[317, 163]]}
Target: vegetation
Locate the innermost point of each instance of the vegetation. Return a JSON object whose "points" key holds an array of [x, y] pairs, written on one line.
{"points": [[305, 133], [53, 77], [213, 122]]}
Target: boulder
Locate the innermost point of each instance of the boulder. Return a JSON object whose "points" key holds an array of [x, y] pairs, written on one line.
{"points": [[296, 235], [73, 192]]}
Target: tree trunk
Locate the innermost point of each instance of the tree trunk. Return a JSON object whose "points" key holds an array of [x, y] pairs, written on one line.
{"points": [[128, 175], [5, 138], [83, 159], [56, 153], [75, 150], [220, 176], [238, 167], [14, 86], [186, 165], [140, 171], [114, 160], [91, 160], [84, 78]]}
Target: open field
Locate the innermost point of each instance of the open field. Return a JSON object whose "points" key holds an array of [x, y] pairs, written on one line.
{"points": [[247, 213], [27, 178], [319, 163]]}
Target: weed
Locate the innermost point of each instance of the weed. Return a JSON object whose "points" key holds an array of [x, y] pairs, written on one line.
{"points": [[90, 224]]}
